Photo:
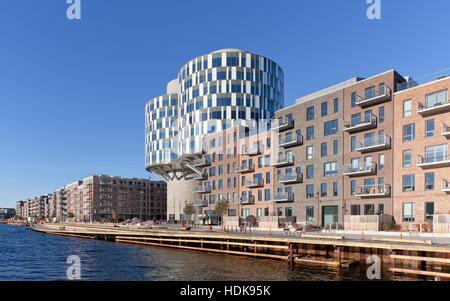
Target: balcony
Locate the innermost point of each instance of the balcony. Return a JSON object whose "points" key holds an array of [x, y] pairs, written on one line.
{"points": [[445, 130], [283, 162], [433, 161], [244, 169], [202, 189], [373, 144], [200, 203], [290, 178], [372, 191], [377, 97], [247, 200], [202, 162], [365, 170], [290, 142], [283, 197], [281, 126], [253, 183], [253, 151], [198, 176], [445, 187], [435, 108], [358, 126]]}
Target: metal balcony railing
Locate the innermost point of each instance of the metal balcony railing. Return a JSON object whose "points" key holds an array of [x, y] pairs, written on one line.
{"points": [[363, 170], [247, 200], [379, 190], [202, 176], [433, 108], [255, 182], [279, 125], [202, 189], [200, 203], [202, 162], [252, 151], [433, 161], [379, 95], [245, 168], [290, 142], [284, 161], [290, 178], [283, 197], [372, 144], [357, 125]]}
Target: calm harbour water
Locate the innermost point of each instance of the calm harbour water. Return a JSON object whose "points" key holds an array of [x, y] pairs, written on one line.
{"points": [[28, 255]]}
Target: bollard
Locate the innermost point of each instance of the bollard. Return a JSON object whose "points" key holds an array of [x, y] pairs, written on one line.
{"points": [[401, 234]]}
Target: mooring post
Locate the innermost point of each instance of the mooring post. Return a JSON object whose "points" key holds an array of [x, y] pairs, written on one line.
{"points": [[291, 252]]}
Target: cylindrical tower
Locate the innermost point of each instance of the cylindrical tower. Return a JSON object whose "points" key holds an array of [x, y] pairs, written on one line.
{"points": [[213, 92]]}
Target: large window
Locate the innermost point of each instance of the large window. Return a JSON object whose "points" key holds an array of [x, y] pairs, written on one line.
{"points": [[310, 133], [409, 132], [355, 210], [309, 191], [310, 171], [324, 109], [309, 152], [309, 214], [330, 169], [436, 153], [408, 183], [429, 211], [323, 190], [330, 128], [437, 98], [323, 149]]}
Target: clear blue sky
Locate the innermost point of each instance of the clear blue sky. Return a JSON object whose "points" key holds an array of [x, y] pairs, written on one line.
{"points": [[72, 93]]}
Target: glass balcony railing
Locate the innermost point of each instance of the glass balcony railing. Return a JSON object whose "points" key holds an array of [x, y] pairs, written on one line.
{"points": [[363, 170], [252, 151], [283, 161], [246, 200], [433, 160], [202, 162], [279, 125], [357, 125], [445, 130], [374, 97], [255, 182], [374, 143], [291, 141], [200, 203], [245, 168], [201, 176], [380, 190], [202, 189], [430, 108], [290, 178], [283, 197]]}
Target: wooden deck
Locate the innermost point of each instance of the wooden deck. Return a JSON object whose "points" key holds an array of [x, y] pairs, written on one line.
{"points": [[334, 251]]}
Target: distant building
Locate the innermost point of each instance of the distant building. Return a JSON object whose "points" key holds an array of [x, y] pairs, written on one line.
{"points": [[6, 213]]}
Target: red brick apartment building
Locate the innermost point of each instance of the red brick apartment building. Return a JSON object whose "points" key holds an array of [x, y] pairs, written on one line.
{"points": [[421, 161]]}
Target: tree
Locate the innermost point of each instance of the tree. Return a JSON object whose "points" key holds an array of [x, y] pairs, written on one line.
{"points": [[71, 215], [189, 209], [222, 208]]}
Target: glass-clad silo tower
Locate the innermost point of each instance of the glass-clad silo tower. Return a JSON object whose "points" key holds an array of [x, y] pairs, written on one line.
{"points": [[213, 92]]}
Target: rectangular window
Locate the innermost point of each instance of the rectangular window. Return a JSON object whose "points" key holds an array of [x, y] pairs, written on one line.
{"points": [[309, 214], [381, 161], [268, 177], [309, 113], [353, 187], [438, 153], [407, 108], [353, 143], [260, 195], [429, 181], [323, 189], [429, 129], [429, 211], [407, 158], [369, 209], [353, 99], [381, 115], [309, 152], [330, 169], [310, 171], [335, 188], [355, 210], [408, 183], [335, 147], [288, 211], [309, 191], [310, 133], [267, 194], [409, 132], [330, 128], [408, 212], [436, 99], [324, 109], [323, 149], [336, 105]]}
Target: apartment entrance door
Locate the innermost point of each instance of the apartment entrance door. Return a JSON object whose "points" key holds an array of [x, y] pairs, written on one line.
{"points": [[329, 215]]}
